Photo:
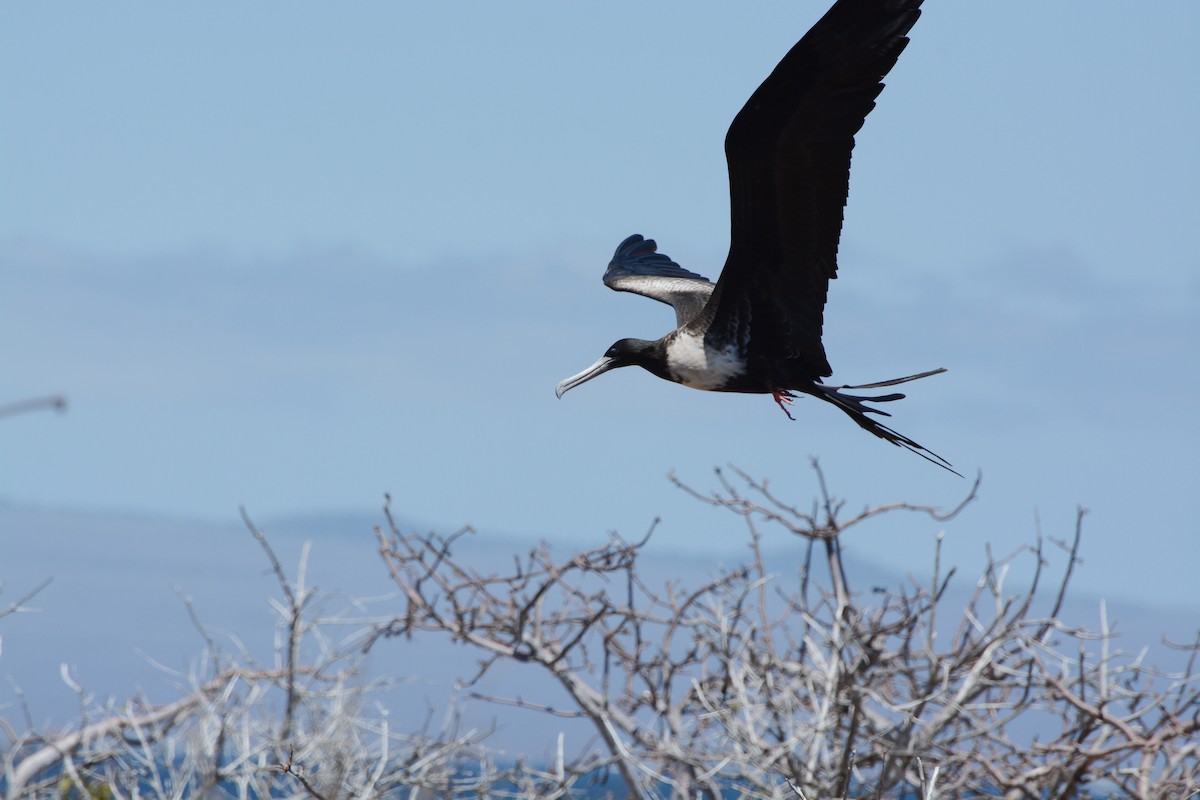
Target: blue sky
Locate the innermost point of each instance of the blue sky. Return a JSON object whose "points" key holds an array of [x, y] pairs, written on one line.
{"points": [[294, 257]]}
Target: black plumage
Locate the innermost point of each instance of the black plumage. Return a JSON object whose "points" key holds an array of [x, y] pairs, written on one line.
{"points": [[758, 329]]}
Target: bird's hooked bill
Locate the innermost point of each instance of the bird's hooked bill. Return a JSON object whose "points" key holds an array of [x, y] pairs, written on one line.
{"points": [[604, 364]]}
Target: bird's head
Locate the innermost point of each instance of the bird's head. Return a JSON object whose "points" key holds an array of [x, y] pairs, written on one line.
{"points": [[624, 353]]}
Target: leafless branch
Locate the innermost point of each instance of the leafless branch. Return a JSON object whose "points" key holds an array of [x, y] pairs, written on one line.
{"points": [[51, 402], [813, 689], [768, 682]]}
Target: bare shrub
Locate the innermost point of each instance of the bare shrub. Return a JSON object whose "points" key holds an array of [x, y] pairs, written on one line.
{"points": [[297, 727], [760, 681], [775, 685]]}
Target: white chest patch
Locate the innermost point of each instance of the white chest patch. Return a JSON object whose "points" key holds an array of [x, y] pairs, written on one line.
{"points": [[693, 366]]}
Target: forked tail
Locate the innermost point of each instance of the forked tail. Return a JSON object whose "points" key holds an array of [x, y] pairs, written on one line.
{"points": [[854, 405]]}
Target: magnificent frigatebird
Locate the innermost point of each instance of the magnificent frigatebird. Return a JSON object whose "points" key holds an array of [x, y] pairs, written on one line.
{"points": [[758, 328]]}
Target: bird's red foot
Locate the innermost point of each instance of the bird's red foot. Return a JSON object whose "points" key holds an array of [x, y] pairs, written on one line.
{"points": [[784, 398]]}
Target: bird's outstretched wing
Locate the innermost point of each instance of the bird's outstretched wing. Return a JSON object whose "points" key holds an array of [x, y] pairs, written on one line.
{"points": [[789, 166], [637, 267]]}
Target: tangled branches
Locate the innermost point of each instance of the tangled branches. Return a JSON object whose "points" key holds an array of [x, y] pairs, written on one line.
{"points": [[774, 678], [774, 684]]}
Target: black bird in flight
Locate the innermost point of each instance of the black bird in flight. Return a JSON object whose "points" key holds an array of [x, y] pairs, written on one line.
{"points": [[758, 328]]}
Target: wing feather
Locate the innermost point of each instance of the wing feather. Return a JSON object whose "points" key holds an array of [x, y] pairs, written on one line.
{"points": [[788, 151], [638, 267]]}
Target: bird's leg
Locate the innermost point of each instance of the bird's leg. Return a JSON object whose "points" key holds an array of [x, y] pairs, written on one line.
{"points": [[784, 398]]}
